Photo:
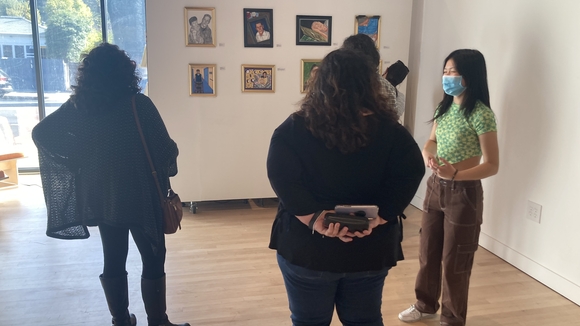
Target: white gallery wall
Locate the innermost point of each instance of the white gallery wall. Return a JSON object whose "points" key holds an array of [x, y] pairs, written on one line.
{"points": [[531, 49], [223, 140]]}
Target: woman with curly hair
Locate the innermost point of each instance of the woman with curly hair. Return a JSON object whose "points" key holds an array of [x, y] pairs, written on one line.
{"points": [[343, 146], [95, 173]]}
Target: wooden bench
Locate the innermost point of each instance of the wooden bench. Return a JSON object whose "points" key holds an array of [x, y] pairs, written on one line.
{"points": [[9, 168]]}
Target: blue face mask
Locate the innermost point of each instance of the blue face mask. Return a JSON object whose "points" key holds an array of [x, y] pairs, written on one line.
{"points": [[452, 85]]}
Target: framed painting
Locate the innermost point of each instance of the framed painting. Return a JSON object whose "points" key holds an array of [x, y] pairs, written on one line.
{"points": [[202, 80], [258, 78], [306, 71], [258, 28], [200, 26], [368, 25], [313, 30]]}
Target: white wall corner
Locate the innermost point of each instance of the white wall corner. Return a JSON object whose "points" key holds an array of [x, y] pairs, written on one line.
{"points": [[564, 287]]}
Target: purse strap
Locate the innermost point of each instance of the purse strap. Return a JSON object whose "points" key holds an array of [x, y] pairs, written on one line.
{"points": [[153, 172]]}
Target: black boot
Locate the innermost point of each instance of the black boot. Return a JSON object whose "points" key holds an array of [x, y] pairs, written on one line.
{"points": [[153, 292], [117, 294]]}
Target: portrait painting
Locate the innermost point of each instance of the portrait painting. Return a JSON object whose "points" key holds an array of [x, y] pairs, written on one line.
{"points": [[368, 25], [308, 68], [202, 80], [313, 30], [258, 28], [200, 26], [258, 78]]}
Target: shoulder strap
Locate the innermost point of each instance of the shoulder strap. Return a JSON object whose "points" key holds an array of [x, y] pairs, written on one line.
{"points": [[153, 172]]}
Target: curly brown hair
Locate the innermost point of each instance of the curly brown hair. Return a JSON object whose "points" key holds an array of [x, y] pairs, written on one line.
{"points": [[344, 101], [105, 76]]}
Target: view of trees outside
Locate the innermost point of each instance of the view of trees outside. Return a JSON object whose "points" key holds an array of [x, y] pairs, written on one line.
{"points": [[67, 29]]}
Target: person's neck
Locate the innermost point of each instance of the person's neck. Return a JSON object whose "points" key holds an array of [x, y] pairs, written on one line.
{"points": [[458, 99]]}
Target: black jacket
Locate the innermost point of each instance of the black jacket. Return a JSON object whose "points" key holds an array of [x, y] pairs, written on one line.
{"points": [[94, 169], [307, 177]]}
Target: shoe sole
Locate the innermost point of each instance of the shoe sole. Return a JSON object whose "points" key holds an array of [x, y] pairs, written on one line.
{"points": [[423, 316]]}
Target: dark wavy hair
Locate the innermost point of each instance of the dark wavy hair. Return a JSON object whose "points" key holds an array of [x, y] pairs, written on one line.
{"points": [[105, 76], [364, 44], [470, 64], [344, 101]]}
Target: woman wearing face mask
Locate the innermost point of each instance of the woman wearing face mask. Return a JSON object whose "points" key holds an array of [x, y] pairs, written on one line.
{"points": [[461, 150]]}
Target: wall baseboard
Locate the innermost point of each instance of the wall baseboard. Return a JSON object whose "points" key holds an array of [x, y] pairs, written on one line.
{"points": [[417, 202], [559, 284]]}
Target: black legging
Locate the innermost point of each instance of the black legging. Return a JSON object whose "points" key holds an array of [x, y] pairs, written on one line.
{"points": [[116, 247]]}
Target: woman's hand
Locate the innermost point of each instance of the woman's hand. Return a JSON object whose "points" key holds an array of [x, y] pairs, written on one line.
{"points": [[373, 223], [446, 171], [334, 231]]}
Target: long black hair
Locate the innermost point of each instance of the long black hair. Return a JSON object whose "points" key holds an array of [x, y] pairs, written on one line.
{"points": [[345, 102], [105, 76], [471, 65]]}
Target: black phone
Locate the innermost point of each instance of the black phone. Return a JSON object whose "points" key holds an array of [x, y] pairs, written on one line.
{"points": [[352, 222], [364, 210]]}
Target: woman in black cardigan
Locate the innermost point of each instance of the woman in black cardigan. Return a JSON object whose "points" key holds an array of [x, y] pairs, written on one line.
{"points": [[95, 173], [343, 146]]}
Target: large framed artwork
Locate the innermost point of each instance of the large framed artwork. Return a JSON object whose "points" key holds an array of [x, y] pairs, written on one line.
{"points": [[202, 80], [313, 30], [258, 28], [258, 78], [200, 26], [306, 71], [368, 25]]}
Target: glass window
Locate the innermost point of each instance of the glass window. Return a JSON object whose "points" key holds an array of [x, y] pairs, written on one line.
{"points": [[29, 51], [19, 51], [7, 51], [67, 29], [126, 19]]}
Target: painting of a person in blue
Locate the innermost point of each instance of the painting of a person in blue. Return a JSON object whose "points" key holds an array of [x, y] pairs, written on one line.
{"points": [[200, 84], [368, 25]]}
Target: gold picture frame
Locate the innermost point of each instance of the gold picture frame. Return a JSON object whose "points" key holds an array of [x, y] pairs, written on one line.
{"points": [[258, 78], [369, 25], [202, 79], [306, 66], [200, 26]]}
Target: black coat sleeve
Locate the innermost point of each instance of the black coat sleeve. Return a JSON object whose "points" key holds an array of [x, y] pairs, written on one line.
{"points": [[285, 172], [405, 170]]}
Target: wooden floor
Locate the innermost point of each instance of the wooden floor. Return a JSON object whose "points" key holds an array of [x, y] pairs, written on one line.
{"points": [[220, 272]]}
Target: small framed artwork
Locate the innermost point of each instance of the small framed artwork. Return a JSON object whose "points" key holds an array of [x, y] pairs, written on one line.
{"points": [[306, 71], [368, 25], [258, 78], [200, 26], [202, 80], [313, 30], [258, 28]]}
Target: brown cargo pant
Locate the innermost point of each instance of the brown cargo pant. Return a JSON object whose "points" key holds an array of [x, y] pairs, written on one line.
{"points": [[452, 216]]}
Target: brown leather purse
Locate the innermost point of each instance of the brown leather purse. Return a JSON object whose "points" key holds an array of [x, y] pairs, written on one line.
{"points": [[171, 203]]}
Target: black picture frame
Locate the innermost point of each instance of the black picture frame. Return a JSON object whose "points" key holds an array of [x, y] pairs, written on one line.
{"points": [[319, 35], [265, 19]]}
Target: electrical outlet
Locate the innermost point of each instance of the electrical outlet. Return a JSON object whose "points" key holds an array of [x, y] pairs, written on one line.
{"points": [[534, 211]]}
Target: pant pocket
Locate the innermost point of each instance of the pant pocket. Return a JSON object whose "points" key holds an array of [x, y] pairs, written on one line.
{"points": [[465, 255]]}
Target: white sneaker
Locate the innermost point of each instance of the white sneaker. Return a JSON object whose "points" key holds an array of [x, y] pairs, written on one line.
{"points": [[411, 315]]}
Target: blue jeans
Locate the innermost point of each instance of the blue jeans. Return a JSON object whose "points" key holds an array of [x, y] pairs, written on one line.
{"points": [[312, 295]]}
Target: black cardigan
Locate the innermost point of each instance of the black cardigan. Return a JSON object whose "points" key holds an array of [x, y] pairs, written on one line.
{"points": [[307, 177], [94, 168]]}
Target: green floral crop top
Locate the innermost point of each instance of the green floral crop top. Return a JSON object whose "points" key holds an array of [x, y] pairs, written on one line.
{"points": [[458, 136]]}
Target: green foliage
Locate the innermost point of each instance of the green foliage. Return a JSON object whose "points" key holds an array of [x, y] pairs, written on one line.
{"points": [[17, 8], [69, 23], [94, 38]]}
